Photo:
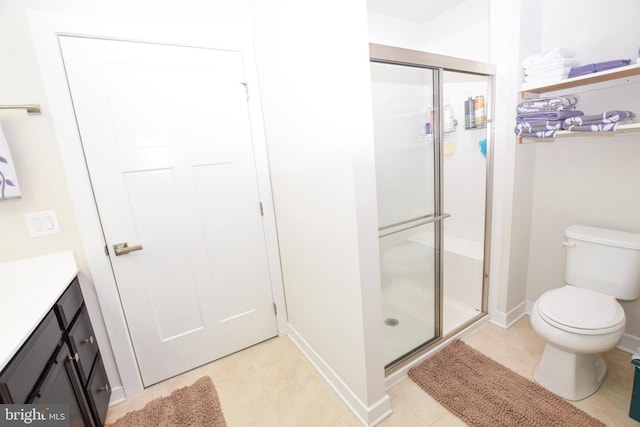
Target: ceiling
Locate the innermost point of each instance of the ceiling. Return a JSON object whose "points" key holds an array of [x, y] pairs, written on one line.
{"points": [[418, 11]]}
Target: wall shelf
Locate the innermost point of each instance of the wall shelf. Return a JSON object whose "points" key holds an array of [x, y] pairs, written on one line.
{"points": [[607, 76], [604, 79], [565, 134]]}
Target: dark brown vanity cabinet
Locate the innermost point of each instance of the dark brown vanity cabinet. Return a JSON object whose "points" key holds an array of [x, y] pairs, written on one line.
{"points": [[60, 363]]}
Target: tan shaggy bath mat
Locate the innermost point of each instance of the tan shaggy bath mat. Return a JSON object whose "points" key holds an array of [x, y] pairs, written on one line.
{"points": [[196, 405], [482, 392]]}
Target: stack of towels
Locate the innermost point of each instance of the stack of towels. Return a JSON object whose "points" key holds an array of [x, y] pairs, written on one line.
{"points": [[544, 117], [549, 67]]}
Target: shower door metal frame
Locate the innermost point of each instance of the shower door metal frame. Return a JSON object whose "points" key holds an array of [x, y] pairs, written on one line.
{"points": [[439, 64]]}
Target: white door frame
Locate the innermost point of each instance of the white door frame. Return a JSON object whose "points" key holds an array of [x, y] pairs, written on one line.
{"points": [[231, 33]]}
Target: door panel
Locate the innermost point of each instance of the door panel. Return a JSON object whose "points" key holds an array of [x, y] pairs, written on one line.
{"points": [[403, 100], [404, 124], [464, 198], [166, 135]]}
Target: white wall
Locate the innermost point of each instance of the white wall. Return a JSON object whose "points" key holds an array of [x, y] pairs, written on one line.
{"points": [[591, 181], [314, 75], [514, 30], [393, 31], [462, 31]]}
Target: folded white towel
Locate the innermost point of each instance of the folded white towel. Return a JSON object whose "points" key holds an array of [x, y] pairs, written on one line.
{"points": [[552, 75], [551, 65], [541, 58], [8, 180], [563, 52], [557, 72]]}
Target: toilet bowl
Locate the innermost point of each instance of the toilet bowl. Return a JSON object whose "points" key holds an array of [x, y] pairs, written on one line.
{"points": [[583, 318], [577, 324]]}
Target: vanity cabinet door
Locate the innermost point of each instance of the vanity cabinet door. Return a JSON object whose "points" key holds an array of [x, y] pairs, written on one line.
{"points": [[22, 373], [62, 386], [99, 391], [60, 363], [68, 304], [82, 342]]}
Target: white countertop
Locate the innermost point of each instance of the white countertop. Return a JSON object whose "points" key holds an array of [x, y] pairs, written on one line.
{"points": [[28, 290]]}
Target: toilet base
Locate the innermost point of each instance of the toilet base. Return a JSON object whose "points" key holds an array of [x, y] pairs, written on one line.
{"points": [[570, 375]]}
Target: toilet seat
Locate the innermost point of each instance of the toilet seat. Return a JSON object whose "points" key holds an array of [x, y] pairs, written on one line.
{"points": [[581, 311]]}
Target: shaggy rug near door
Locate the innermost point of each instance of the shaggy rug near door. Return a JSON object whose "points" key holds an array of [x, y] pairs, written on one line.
{"points": [[482, 392], [196, 405]]}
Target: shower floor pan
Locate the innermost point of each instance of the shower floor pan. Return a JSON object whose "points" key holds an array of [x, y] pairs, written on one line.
{"points": [[409, 320]]}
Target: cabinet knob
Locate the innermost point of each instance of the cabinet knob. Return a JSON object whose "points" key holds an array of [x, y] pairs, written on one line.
{"points": [[87, 340], [104, 388]]}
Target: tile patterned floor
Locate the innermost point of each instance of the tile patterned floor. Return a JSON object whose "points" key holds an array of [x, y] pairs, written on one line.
{"points": [[272, 384]]}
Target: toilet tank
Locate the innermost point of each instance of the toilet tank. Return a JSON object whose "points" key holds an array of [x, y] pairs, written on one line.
{"points": [[602, 260]]}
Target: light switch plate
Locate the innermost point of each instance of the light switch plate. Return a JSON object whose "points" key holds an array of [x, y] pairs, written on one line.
{"points": [[42, 223]]}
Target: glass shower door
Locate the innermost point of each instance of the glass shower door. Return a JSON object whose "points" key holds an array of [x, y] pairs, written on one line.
{"points": [[404, 125], [464, 193]]}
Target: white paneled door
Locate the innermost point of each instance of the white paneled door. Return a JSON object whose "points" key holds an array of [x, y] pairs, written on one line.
{"points": [[167, 139]]}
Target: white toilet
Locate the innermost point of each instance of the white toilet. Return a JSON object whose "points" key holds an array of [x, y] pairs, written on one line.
{"points": [[583, 318]]}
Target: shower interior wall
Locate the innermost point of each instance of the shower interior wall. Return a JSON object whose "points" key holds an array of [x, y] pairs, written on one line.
{"points": [[464, 190]]}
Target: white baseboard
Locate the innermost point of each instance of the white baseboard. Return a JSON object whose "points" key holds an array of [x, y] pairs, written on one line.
{"points": [[117, 396], [629, 343], [506, 320], [400, 374], [369, 415]]}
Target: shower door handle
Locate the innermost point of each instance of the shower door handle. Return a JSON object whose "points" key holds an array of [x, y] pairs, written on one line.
{"points": [[396, 229]]}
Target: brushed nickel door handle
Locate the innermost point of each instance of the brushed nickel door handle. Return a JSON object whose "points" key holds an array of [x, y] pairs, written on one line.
{"points": [[124, 248]]}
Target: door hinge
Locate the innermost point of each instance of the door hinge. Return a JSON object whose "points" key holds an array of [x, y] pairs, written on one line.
{"points": [[261, 209], [275, 309], [106, 250], [246, 88]]}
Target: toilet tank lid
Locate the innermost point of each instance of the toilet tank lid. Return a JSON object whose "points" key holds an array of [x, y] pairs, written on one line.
{"points": [[622, 239]]}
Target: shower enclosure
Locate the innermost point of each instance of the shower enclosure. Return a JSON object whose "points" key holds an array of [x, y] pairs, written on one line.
{"points": [[432, 132]]}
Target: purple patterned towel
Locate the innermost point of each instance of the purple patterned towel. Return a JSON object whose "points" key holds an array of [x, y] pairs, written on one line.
{"points": [[600, 127], [547, 104], [542, 129], [608, 117], [540, 124], [547, 115], [538, 133], [598, 66]]}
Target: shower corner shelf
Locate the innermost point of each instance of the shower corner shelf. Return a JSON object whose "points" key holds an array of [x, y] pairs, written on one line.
{"points": [[602, 80]]}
